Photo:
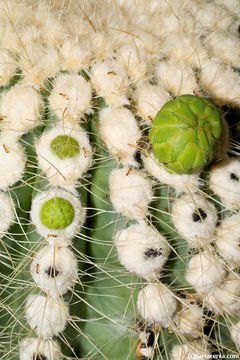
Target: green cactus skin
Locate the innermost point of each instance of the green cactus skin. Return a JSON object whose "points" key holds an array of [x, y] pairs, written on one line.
{"points": [[65, 147], [185, 132], [57, 213]]}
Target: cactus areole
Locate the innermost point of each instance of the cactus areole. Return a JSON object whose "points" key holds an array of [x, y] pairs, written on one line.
{"points": [[184, 133]]}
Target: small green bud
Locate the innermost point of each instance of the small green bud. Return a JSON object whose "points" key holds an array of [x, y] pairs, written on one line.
{"points": [[57, 213], [184, 133], [65, 146]]}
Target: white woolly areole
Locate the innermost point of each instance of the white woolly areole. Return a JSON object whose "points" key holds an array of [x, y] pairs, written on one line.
{"points": [[141, 7], [225, 182], [142, 250], [157, 303], [205, 271], [9, 39], [224, 47], [189, 319], [7, 213], [71, 96], [45, 315], [221, 82], [101, 44], [185, 49], [12, 160], [8, 66], [41, 63], [29, 39], [73, 55], [148, 41], [177, 21], [210, 16], [187, 351], [51, 29], [195, 219], [176, 77], [130, 192], [54, 269], [182, 183], [30, 348], [227, 239], [134, 60], [20, 108], [120, 132], [70, 230], [149, 100], [235, 334], [109, 78], [233, 6], [15, 9], [225, 298], [64, 172]]}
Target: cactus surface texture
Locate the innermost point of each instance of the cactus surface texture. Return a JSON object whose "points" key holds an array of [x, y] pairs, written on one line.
{"points": [[119, 179]]}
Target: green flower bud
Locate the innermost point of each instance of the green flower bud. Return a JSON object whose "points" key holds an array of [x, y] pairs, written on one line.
{"points": [[57, 213], [184, 133], [65, 146]]}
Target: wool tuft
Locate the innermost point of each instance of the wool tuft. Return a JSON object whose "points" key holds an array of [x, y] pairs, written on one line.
{"points": [[46, 316], [120, 132], [205, 272], [130, 192], [195, 218], [142, 250], [156, 303], [54, 270]]}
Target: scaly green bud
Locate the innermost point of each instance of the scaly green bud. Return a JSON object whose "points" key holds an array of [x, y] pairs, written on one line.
{"points": [[185, 132]]}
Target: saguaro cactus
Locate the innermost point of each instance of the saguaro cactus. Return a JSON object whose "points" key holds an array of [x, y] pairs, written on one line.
{"points": [[120, 179]]}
